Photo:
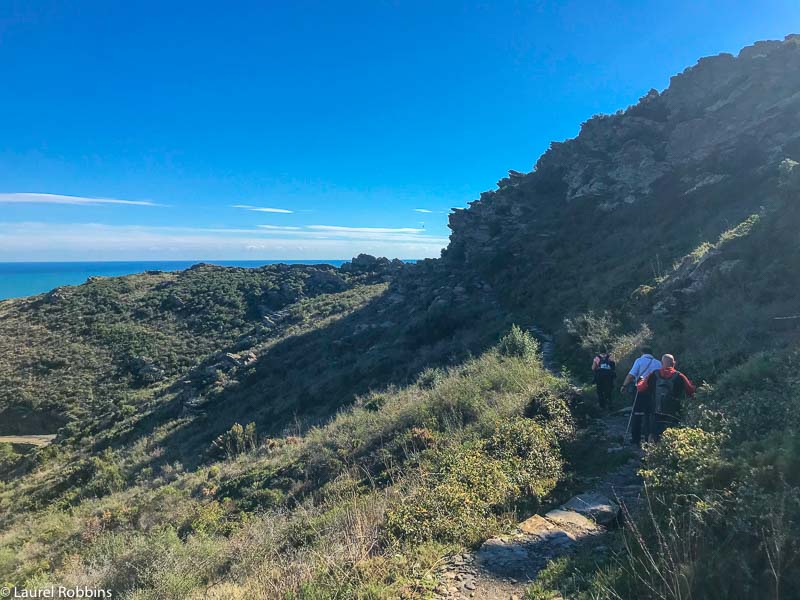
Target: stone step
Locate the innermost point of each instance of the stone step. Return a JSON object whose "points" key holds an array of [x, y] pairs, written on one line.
{"points": [[596, 507]]}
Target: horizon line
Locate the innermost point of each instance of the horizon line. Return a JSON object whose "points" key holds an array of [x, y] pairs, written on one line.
{"points": [[201, 260]]}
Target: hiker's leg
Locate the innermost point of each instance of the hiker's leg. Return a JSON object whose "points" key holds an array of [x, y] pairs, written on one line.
{"points": [[663, 422], [648, 427], [648, 418], [658, 428], [603, 393], [607, 397], [636, 429]]}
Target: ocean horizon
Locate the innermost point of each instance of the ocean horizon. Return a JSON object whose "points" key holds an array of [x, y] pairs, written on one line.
{"points": [[20, 279]]}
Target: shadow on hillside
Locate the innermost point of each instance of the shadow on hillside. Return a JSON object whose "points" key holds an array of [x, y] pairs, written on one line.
{"points": [[303, 380]]}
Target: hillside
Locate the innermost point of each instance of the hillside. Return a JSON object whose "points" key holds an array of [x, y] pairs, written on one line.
{"points": [[312, 432]]}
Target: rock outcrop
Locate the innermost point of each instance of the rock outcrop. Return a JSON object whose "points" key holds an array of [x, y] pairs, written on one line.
{"points": [[690, 159]]}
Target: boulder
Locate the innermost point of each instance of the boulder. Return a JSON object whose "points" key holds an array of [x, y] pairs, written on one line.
{"points": [[597, 507], [536, 525], [145, 371], [235, 359], [570, 519]]}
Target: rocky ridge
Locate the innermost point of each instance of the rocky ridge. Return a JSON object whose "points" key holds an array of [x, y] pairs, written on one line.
{"points": [[681, 166]]}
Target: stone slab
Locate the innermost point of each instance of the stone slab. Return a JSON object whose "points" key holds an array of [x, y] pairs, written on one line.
{"points": [[597, 507]]}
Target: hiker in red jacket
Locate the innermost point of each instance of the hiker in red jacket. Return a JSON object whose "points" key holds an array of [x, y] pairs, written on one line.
{"points": [[668, 386]]}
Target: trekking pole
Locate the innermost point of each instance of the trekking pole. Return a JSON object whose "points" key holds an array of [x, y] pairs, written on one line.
{"points": [[630, 419]]}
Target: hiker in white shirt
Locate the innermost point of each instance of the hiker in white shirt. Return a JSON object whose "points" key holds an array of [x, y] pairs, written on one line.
{"points": [[642, 418], [641, 369]]}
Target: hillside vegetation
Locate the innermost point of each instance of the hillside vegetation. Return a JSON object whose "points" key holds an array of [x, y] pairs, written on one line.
{"points": [[361, 506], [311, 432]]}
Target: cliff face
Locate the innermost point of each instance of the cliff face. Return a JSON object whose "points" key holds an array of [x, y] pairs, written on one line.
{"points": [[637, 190]]}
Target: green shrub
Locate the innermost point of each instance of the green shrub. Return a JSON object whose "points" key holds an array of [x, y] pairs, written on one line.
{"points": [[456, 501], [682, 466], [106, 475], [8, 458], [752, 400], [594, 332], [550, 409], [209, 519], [528, 454], [518, 343], [236, 440], [462, 493]]}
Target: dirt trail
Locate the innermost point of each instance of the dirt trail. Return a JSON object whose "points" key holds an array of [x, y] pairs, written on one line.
{"points": [[31, 440], [505, 566]]}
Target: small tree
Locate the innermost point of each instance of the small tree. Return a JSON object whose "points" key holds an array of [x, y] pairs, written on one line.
{"points": [[518, 342]]}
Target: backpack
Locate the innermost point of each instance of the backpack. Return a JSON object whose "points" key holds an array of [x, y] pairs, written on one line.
{"points": [[665, 396], [606, 369], [606, 363]]}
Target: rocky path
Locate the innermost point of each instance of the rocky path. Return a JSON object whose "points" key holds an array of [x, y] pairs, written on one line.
{"points": [[505, 566]]}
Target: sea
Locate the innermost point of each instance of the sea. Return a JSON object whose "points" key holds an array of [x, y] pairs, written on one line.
{"points": [[18, 279]]}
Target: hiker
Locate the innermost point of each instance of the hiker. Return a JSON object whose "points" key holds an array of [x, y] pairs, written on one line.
{"points": [[668, 387], [604, 371], [642, 416]]}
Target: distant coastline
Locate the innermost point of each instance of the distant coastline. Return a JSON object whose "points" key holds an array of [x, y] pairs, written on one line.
{"points": [[20, 279]]}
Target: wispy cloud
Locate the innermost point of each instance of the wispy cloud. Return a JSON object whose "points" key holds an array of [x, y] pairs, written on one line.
{"points": [[265, 209], [337, 228], [279, 228], [92, 241], [428, 211], [36, 198]]}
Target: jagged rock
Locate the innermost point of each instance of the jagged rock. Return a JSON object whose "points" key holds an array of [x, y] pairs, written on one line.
{"points": [[365, 262], [536, 525], [144, 370], [789, 174], [56, 295], [235, 359], [705, 181], [597, 507]]}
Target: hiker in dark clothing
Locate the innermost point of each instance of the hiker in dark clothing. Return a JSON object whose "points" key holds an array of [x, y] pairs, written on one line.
{"points": [[642, 410], [605, 373], [668, 386]]}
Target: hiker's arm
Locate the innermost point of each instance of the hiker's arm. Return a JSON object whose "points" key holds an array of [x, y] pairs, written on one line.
{"points": [[688, 386], [628, 379]]}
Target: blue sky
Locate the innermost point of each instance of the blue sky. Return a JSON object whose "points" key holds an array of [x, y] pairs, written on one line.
{"points": [[151, 130]]}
